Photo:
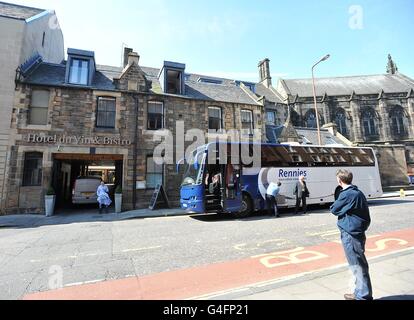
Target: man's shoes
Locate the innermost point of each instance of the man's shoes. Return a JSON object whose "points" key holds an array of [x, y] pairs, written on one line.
{"points": [[350, 297]]}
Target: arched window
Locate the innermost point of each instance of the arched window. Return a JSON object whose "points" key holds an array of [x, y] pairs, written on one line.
{"points": [[310, 119], [398, 121], [340, 120], [369, 122]]}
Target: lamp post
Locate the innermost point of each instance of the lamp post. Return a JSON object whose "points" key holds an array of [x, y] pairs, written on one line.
{"points": [[314, 96]]}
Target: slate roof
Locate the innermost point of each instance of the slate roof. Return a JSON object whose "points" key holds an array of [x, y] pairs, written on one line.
{"points": [[337, 86], [54, 75], [312, 136], [273, 134], [262, 90], [15, 11]]}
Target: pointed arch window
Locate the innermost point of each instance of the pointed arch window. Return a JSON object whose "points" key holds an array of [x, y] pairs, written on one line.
{"points": [[340, 120], [310, 119], [398, 121], [370, 123]]}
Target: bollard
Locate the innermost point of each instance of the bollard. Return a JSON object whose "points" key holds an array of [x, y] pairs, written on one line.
{"points": [[402, 193]]}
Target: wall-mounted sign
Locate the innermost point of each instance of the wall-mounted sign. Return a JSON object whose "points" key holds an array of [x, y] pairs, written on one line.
{"points": [[77, 140]]}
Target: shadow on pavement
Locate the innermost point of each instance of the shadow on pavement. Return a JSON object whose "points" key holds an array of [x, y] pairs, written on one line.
{"points": [[261, 215], [387, 202], [401, 297]]}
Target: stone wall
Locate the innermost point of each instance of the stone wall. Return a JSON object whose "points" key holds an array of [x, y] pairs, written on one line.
{"points": [[11, 37], [392, 164], [19, 42]]}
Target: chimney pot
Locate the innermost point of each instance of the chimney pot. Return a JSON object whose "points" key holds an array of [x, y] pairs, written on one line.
{"points": [[133, 57]]}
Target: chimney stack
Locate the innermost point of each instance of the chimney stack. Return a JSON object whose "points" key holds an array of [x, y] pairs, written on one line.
{"points": [[264, 73], [127, 51], [133, 57]]}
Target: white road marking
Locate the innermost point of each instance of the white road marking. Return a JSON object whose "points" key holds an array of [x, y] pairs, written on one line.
{"points": [[83, 283], [324, 233], [141, 249]]}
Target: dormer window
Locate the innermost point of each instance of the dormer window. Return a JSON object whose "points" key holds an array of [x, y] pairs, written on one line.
{"points": [[79, 71], [80, 68], [172, 77]]}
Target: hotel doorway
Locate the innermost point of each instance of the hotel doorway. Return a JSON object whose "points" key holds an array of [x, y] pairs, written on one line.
{"points": [[70, 169]]}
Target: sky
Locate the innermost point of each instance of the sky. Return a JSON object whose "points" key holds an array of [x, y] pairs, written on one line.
{"points": [[227, 38]]}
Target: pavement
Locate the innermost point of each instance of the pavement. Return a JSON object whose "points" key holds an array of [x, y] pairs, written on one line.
{"points": [[28, 221], [392, 278], [37, 220]]}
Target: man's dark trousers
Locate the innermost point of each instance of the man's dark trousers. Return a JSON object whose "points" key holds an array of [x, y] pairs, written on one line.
{"points": [[271, 205], [298, 201], [354, 247]]}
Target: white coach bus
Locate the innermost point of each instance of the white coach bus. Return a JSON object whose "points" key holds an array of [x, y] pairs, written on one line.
{"points": [[243, 187]]}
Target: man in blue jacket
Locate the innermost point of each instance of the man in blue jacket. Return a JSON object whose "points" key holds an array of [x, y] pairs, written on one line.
{"points": [[354, 219]]}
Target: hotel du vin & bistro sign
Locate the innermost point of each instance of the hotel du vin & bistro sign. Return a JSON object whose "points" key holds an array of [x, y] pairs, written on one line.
{"points": [[77, 140]]}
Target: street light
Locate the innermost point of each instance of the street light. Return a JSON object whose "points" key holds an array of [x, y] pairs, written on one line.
{"points": [[314, 96]]}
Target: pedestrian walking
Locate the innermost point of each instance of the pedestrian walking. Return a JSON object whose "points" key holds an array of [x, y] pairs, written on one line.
{"points": [[103, 197], [354, 219], [271, 198], [301, 192]]}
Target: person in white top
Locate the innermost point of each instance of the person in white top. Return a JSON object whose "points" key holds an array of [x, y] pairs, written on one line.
{"points": [[103, 197], [271, 201]]}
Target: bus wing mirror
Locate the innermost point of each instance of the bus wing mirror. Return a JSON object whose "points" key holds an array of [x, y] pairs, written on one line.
{"points": [[196, 165]]}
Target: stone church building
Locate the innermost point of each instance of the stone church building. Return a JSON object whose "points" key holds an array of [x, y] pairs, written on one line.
{"points": [[368, 110]]}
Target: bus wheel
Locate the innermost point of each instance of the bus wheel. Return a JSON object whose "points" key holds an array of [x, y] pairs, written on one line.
{"points": [[246, 207], [337, 192]]}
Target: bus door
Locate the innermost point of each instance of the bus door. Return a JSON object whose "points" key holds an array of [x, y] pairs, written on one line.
{"points": [[232, 188]]}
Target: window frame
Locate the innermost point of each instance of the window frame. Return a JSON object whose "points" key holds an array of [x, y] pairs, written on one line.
{"points": [[88, 61], [44, 108], [274, 117], [31, 156], [340, 120], [311, 115], [154, 102], [368, 121], [154, 173], [221, 118], [98, 112], [179, 89], [398, 127], [251, 129]]}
